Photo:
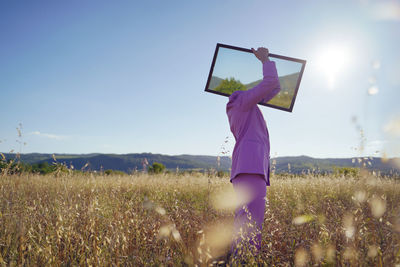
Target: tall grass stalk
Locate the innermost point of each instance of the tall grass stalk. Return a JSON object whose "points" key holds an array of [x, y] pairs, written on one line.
{"points": [[173, 220]]}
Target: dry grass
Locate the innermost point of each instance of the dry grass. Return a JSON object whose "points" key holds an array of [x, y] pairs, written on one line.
{"points": [[178, 220]]}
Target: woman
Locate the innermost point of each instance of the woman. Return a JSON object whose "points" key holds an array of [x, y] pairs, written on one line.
{"points": [[250, 158]]}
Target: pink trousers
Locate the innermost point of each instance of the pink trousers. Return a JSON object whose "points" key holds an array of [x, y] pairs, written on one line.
{"points": [[249, 215]]}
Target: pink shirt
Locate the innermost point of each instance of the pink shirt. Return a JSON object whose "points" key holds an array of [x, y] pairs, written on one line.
{"points": [[251, 152]]}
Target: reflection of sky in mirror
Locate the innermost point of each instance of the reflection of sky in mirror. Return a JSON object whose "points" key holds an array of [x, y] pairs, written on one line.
{"points": [[241, 65], [285, 67], [246, 67]]}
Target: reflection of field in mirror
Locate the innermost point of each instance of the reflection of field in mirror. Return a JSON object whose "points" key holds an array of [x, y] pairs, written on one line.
{"points": [[240, 71], [285, 96]]}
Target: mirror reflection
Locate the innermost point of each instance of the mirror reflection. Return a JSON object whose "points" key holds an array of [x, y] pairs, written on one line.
{"points": [[238, 70]]}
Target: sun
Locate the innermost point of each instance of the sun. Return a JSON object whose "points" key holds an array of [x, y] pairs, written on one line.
{"points": [[333, 60]]}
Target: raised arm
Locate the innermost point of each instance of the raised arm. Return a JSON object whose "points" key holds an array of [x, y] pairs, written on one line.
{"points": [[267, 88]]}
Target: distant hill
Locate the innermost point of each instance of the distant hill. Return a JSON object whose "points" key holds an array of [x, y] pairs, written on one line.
{"points": [[130, 162], [301, 164], [126, 162], [287, 82]]}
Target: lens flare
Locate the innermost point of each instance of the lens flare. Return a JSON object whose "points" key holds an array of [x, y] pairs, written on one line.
{"points": [[332, 60]]}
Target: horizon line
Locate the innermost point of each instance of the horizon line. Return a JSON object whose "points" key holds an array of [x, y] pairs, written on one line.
{"points": [[172, 155]]}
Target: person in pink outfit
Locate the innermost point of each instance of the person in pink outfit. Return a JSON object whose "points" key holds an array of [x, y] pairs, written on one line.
{"points": [[251, 155]]}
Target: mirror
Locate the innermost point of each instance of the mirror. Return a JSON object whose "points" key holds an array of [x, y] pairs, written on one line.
{"points": [[235, 68]]}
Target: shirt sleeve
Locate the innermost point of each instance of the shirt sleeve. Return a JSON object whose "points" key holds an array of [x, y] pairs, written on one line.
{"points": [[265, 90]]}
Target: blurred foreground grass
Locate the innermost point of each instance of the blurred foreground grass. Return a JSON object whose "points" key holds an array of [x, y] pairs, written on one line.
{"points": [[176, 220]]}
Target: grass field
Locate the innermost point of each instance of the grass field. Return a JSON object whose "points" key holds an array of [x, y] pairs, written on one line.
{"points": [[176, 220]]}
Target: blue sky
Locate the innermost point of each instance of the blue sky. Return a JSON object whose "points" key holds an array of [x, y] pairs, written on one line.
{"points": [[238, 64], [129, 76]]}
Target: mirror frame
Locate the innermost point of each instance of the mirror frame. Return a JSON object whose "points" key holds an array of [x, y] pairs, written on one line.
{"points": [[303, 62]]}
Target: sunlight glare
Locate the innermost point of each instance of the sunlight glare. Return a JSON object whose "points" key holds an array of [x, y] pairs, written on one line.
{"points": [[332, 60]]}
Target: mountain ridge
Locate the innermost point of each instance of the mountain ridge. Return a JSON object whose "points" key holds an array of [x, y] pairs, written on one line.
{"points": [[133, 161]]}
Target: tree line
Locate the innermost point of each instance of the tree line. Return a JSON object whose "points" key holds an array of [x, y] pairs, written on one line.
{"points": [[14, 166]]}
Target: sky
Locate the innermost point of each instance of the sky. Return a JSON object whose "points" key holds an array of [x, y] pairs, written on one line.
{"points": [[129, 76], [241, 65]]}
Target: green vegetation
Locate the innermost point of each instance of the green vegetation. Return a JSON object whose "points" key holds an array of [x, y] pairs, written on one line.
{"points": [[156, 168], [17, 167], [228, 86], [347, 171], [174, 220]]}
